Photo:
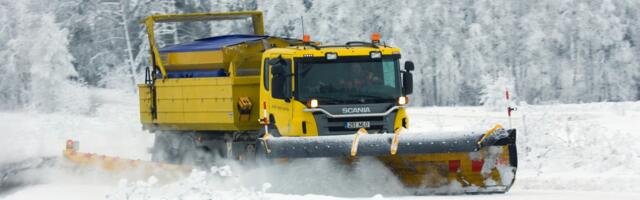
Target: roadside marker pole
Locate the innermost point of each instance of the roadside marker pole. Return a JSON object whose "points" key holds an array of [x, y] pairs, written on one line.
{"points": [[509, 108]]}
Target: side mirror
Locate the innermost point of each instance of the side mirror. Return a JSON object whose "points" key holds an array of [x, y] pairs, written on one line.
{"points": [[281, 87], [277, 69], [275, 61], [281, 81], [408, 66], [407, 82]]}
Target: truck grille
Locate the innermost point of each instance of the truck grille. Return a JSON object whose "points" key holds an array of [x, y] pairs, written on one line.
{"points": [[337, 126]]}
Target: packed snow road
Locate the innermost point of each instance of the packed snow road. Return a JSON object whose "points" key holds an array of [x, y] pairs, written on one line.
{"points": [[82, 192], [576, 151]]}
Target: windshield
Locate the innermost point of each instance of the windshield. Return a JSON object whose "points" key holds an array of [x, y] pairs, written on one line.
{"points": [[348, 80]]}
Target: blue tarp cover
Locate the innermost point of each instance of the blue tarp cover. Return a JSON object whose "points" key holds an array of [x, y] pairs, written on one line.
{"points": [[211, 43], [196, 73]]}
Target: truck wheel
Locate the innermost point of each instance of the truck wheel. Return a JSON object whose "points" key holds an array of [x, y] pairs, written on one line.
{"points": [[250, 152], [192, 154], [197, 157], [162, 150]]}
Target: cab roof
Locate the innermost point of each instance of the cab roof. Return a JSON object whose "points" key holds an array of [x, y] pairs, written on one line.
{"points": [[296, 49], [341, 50]]}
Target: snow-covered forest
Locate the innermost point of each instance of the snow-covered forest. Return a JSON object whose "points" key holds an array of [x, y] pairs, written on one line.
{"points": [[567, 51]]}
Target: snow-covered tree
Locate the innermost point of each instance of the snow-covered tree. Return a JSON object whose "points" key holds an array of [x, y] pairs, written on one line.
{"points": [[552, 51], [493, 95], [37, 71]]}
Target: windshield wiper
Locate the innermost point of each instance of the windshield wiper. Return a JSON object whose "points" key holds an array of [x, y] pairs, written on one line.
{"points": [[304, 71], [328, 98], [368, 96], [371, 98]]}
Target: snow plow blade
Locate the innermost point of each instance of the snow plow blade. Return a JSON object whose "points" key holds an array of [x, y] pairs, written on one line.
{"points": [[131, 168], [443, 163]]}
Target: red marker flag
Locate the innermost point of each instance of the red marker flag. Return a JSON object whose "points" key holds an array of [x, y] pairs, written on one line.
{"points": [[506, 93]]}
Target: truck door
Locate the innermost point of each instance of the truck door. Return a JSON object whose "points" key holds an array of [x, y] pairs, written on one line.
{"points": [[281, 95]]}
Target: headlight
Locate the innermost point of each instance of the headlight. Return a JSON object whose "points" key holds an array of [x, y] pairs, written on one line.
{"points": [[403, 100], [312, 103], [331, 56], [376, 55]]}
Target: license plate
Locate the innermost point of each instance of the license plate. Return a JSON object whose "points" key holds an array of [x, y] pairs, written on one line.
{"points": [[354, 125]]}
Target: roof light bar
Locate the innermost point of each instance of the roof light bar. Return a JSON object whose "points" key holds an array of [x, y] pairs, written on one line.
{"points": [[375, 38], [306, 38]]}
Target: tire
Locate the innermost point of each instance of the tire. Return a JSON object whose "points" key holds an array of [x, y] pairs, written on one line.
{"points": [[175, 148], [163, 150], [196, 157], [189, 153]]}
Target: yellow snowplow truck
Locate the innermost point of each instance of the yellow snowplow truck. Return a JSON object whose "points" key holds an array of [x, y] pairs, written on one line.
{"points": [[248, 97]]}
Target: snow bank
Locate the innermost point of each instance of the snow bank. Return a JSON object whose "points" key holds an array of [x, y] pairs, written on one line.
{"points": [[111, 128], [214, 184], [573, 146], [366, 178]]}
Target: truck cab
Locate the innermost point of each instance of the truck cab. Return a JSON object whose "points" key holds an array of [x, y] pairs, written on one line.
{"points": [[311, 90]]}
